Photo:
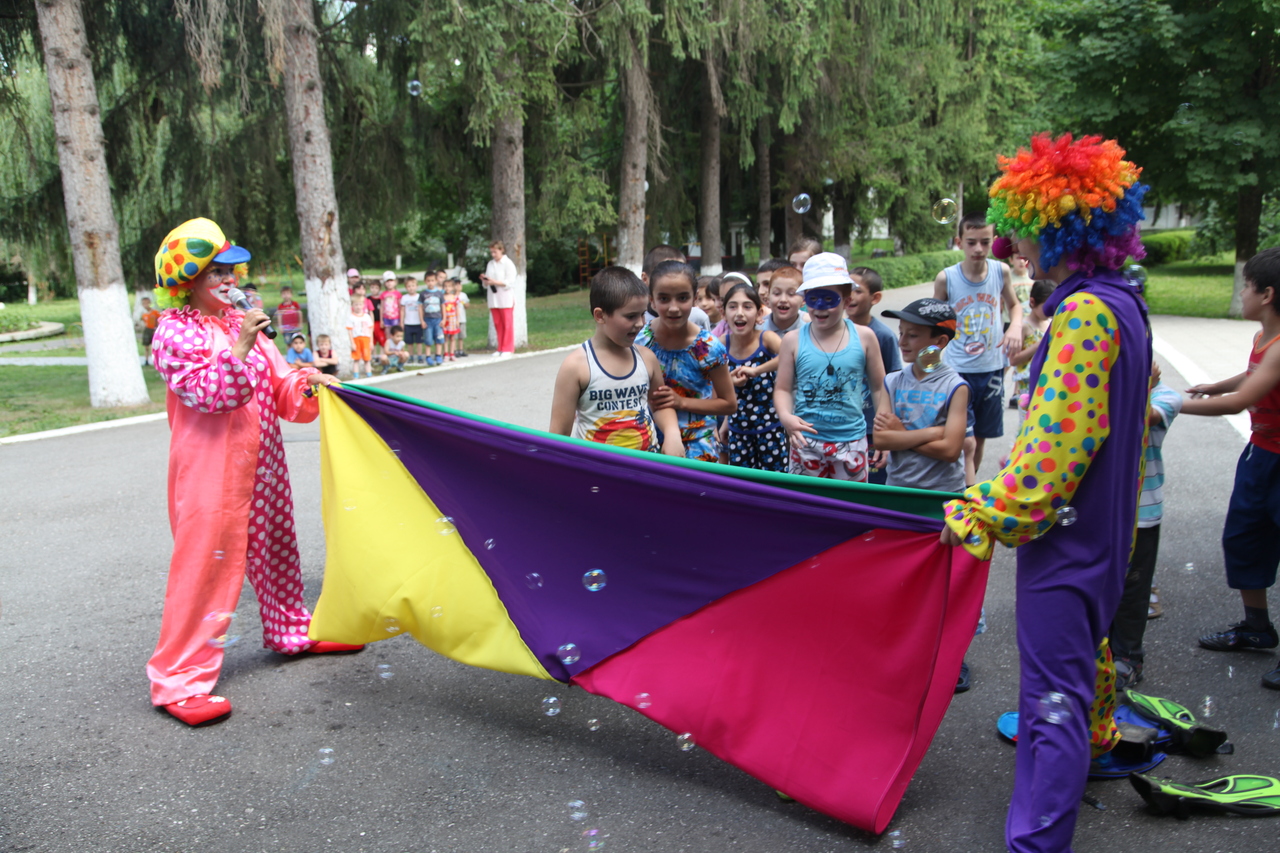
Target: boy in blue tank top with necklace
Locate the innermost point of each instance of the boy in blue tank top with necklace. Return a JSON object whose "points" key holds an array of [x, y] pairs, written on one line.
{"points": [[822, 372]]}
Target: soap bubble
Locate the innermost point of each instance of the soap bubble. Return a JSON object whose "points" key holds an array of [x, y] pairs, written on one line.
{"points": [[488, 544], [218, 555], [415, 88], [391, 626], [437, 612], [929, 359], [1275, 723], [896, 841], [973, 540], [457, 62], [533, 580], [1067, 516], [1207, 707], [550, 706], [1190, 567], [594, 838], [325, 756], [1136, 275], [802, 203], [220, 616], [595, 580], [643, 700], [593, 725], [646, 186], [577, 810], [568, 653], [595, 490], [384, 671], [685, 742], [1184, 114], [445, 523], [1045, 820], [945, 211], [1055, 708], [222, 641], [348, 505], [394, 446], [1238, 137], [1231, 672]]}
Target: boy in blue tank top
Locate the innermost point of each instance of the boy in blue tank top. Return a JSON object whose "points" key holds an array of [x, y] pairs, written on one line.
{"points": [[822, 372], [976, 288], [603, 389]]}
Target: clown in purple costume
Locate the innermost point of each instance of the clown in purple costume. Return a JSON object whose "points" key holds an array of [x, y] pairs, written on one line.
{"points": [[1069, 494]]}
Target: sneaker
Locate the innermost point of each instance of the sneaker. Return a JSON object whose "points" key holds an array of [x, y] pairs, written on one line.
{"points": [[962, 681], [1272, 679], [1128, 673], [462, 355], [1239, 637]]}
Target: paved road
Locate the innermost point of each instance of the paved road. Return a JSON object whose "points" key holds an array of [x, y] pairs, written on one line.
{"points": [[446, 758]]}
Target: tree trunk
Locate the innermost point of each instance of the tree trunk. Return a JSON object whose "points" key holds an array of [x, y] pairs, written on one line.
{"points": [[709, 235], [842, 219], [323, 266], [1248, 219], [507, 217], [765, 190], [635, 159], [115, 372]]}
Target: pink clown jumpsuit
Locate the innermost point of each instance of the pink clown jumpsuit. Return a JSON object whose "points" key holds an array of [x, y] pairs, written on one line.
{"points": [[230, 506]]}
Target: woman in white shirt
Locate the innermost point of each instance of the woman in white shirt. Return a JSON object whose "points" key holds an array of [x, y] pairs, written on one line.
{"points": [[498, 277]]}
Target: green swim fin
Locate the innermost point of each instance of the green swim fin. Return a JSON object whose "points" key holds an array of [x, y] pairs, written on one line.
{"points": [[1188, 735], [1243, 794]]}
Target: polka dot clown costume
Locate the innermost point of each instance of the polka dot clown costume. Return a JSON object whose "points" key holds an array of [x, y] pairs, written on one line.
{"points": [[229, 501], [1068, 498]]}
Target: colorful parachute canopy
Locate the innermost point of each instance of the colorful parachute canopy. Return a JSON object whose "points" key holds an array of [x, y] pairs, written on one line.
{"points": [[809, 632]]}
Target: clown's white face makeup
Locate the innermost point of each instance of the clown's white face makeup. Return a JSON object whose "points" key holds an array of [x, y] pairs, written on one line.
{"points": [[209, 289]]}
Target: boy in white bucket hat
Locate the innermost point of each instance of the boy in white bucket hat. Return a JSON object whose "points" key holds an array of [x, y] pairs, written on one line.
{"points": [[822, 371]]}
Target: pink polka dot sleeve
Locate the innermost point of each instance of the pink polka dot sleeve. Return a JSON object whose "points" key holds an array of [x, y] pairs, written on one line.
{"points": [[1066, 425], [200, 378]]}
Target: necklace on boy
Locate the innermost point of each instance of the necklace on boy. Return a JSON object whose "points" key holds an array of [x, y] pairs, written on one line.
{"points": [[831, 371]]}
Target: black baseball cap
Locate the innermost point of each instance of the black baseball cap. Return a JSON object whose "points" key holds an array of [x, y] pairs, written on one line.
{"points": [[928, 312]]}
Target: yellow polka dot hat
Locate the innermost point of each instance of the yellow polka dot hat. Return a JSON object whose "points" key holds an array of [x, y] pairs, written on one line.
{"points": [[187, 250]]}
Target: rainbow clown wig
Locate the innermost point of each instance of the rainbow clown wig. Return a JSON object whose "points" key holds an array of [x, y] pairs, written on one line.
{"points": [[1080, 199], [184, 254]]}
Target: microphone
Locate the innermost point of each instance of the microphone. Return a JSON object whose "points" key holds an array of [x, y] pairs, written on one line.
{"points": [[241, 301]]}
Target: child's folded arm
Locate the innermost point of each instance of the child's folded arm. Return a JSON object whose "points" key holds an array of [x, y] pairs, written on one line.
{"points": [[1063, 433], [950, 444]]}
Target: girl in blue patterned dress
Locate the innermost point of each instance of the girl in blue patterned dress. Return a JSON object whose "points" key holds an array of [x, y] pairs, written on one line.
{"points": [[754, 435], [694, 363]]}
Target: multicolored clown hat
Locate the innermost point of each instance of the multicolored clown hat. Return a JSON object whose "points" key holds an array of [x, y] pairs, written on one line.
{"points": [[1080, 200], [188, 249]]}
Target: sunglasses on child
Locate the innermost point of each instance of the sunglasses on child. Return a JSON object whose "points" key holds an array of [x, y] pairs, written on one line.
{"points": [[821, 298]]}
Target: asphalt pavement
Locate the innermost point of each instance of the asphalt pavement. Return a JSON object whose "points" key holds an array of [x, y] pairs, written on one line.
{"points": [[443, 757]]}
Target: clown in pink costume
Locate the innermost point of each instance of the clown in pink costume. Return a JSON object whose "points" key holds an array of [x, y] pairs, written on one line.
{"points": [[1068, 497], [230, 506]]}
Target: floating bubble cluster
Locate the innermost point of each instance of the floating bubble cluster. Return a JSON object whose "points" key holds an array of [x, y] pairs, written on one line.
{"points": [[595, 580], [551, 706], [685, 742], [384, 671], [643, 700], [1067, 516], [415, 88], [569, 653], [593, 725], [577, 810], [802, 203], [1136, 275], [533, 580], [325, 755]]}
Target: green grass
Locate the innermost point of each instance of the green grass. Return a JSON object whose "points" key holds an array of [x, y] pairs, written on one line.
{"points": [[39, 398], [1199, 288]]}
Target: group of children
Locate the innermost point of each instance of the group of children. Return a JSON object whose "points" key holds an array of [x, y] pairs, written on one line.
{"points": [[389, 328]]}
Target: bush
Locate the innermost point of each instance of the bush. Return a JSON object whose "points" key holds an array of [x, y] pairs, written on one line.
{"points": [[16, 320], [1166, 246], [912, 269]]}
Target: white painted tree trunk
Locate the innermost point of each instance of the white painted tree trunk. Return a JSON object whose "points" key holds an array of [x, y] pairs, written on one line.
{"points": [[115, 373], [324, 268], [507, 216], [635, 160]]}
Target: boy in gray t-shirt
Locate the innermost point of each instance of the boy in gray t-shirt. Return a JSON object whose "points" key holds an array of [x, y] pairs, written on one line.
{"points": [[924, 433]]}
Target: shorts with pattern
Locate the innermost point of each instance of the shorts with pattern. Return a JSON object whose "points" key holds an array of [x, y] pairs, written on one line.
{"points": [[764, 451], [834, 460], [704, 447]]}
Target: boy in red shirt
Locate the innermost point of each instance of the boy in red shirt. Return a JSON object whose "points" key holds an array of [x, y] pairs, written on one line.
{"points": [[1251, 534]]}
